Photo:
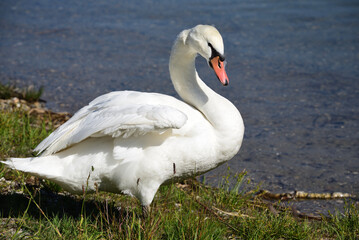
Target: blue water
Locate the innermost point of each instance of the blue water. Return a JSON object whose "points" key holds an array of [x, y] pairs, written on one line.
{"points": [[293, 69]]}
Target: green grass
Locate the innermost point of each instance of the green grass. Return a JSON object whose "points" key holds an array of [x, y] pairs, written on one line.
{"points": [[29, 94], [36, 209], [19, 134]]}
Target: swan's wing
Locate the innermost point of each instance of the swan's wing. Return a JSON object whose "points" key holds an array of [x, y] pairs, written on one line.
{"points": [[101, 118]]}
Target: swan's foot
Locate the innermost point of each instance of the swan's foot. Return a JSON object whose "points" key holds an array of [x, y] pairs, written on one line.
{"points": [[146, 209]]}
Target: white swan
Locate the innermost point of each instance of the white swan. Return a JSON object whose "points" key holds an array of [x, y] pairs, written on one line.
{"points": [[132, 142]]}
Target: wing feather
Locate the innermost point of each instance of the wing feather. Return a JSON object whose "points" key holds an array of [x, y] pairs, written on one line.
{"points": [[104, 116]]}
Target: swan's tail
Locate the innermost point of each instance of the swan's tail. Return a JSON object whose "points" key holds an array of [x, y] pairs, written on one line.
{"points": [[44, 167], [53, 168], [32, 165], [21, 164]]}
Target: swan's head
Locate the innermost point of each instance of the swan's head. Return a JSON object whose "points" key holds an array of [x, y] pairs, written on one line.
{"points": [[208, 42]]}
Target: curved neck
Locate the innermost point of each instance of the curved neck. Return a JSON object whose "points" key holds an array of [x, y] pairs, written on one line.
{"points": [[195, 92], [184, 76]]}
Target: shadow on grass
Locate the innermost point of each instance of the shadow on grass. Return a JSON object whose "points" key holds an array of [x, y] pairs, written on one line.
{"points": [[53, 204]]}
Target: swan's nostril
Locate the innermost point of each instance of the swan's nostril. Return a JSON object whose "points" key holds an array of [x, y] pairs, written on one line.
{"points": [[210, 64]]}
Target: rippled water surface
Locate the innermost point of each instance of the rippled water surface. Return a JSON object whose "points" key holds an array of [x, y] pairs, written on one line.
{"points": [[293, 69]]}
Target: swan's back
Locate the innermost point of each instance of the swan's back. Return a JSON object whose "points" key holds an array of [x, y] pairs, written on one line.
{"points": [[121, 113]]}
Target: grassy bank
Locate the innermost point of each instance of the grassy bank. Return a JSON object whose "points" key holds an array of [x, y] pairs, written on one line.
{"points": [[36, 209]]}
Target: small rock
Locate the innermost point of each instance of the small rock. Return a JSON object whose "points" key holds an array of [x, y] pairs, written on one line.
{"points": [[37, 105], [15, 100]]}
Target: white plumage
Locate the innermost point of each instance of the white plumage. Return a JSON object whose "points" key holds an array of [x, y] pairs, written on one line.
{"points": [[132, 142], [116, 114]]}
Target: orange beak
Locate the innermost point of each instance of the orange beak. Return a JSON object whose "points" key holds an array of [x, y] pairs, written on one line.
{"points": [[218, 67]]}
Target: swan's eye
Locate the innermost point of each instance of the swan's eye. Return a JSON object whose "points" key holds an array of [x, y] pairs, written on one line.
{"points": [[215, 53]]}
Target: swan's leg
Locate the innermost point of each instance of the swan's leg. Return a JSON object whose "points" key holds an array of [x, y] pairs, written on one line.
{"points": [[146, 209], [147, 190]]}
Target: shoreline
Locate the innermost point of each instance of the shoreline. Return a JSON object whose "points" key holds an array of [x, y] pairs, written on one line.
{"points": [[223, 212]]}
